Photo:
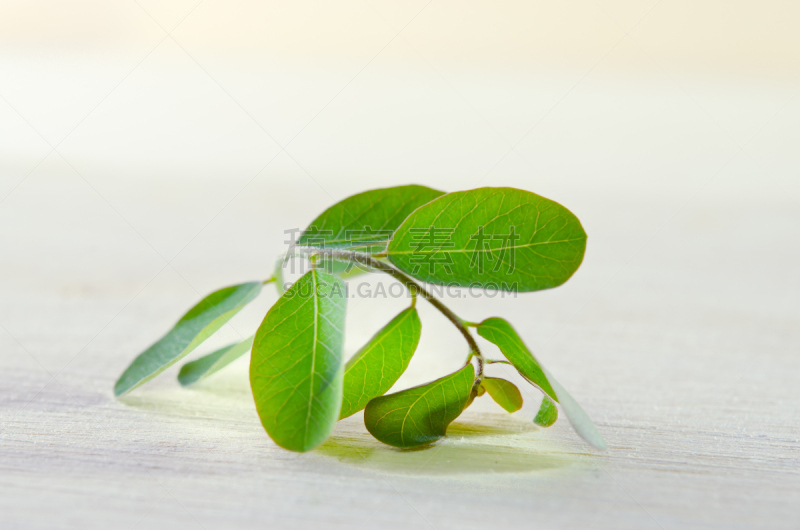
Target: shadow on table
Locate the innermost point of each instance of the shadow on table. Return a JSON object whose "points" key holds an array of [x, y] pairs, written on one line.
{"points": [[469, 448], [480, 444], [219, 398]]}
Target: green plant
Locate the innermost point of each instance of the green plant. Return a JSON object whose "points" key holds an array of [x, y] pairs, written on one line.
{"points": [[489, 238]]}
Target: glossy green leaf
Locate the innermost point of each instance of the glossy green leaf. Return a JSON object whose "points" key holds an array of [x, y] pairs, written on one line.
{"points": [[503, 392], [548, 413], [206, 365], [365, 221], [500, 332], [341, 268], [472, 396], [296, 366], [199, 323], [419, 415], [352, 271], [496, 238], [377, 366]]}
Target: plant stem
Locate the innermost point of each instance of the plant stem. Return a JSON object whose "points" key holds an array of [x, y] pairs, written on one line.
{"points": [[414, 287]]}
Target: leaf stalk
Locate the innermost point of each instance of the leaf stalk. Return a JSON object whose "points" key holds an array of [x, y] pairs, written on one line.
{"points": [[416, 289]]}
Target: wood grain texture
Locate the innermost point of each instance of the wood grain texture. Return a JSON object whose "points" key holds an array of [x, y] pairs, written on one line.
{"points": [[692, 385]]}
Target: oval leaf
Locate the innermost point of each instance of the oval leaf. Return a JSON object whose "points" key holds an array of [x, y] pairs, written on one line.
{"points": [[206, 365], [377, 366], [500, 332], [419, 415], [503, 392], [296, 365], [199, 323], [496, 238], [366, 221], [548, 413]]}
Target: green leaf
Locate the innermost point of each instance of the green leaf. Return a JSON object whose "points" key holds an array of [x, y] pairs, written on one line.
{"points": [[199, 323], [548, 413], [278, 275], [503, 392], [419, 415], [352, 271], [342, 268], [472, 396], [365, 221], [577, 417], [296, 366], [206, 365], [377, 366], [500, 332], [496, 238]]}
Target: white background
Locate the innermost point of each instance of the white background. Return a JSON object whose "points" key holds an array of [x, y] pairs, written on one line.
{"points": [[151, 152]]}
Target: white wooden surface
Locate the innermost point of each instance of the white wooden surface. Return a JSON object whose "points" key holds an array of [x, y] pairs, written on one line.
{"points": [[679, 334]]}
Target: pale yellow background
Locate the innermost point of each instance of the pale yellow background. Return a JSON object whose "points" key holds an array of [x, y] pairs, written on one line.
{"points": [[151, 152]]}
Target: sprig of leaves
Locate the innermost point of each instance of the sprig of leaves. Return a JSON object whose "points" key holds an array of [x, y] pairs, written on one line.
{"points": [[501, 333], [490, 238]]}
